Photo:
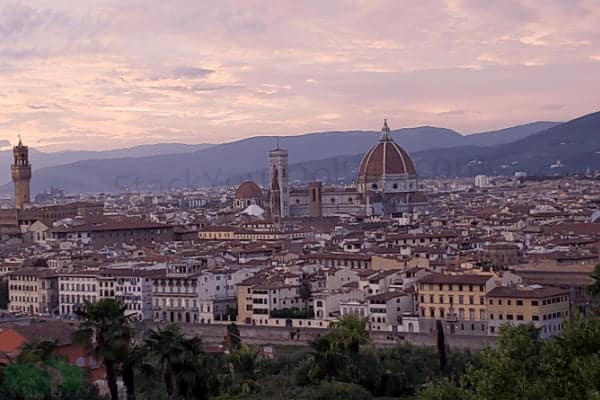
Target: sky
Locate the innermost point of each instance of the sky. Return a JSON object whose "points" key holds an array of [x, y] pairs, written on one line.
{"points": [[101, 74]]}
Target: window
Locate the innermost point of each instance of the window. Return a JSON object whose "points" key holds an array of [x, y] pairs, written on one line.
{"points": [[535, 318], [519, 302], [509, 316], [491, 302], [519, 318], [534, 302]]}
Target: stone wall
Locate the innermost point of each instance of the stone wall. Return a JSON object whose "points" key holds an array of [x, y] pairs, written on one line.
{"points": [[215, 333]]}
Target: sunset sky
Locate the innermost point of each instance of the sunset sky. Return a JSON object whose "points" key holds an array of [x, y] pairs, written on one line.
{"points": [[112, 73]]}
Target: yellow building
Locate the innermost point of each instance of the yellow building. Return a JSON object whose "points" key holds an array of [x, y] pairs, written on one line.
{"points": [[546, 307], [457, 300], [244, 302]]}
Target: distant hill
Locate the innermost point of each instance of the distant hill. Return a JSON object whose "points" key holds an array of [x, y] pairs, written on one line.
{"points": [[576, 144], [230, 163], [507, 135], [42, 159]]}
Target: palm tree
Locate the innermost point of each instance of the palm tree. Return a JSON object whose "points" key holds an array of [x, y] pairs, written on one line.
{"points": [[164, 347], [336, 352], [245, 366], [37, 350], [106, 332], [191, 371], [180, 362], [350, 333]]}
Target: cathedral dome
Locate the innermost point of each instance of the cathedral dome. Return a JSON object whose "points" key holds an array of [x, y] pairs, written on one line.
{"points": [[248, 190], [386, 158]]}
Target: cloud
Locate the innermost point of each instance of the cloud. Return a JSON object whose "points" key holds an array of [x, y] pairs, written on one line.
{"points": [[552, 107], [103, 73]]}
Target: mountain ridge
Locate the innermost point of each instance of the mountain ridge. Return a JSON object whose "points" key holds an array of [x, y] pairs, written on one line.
{"points": [[213, 165]]}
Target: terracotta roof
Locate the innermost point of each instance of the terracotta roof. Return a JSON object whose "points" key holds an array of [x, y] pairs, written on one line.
{"points": [[59, 331], [108, 224], [530, 292], [386, 296], [386, 157], [464, 279], [248, 190]]}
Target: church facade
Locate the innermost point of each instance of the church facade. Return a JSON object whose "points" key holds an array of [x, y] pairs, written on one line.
{"points": [[387, 186]]}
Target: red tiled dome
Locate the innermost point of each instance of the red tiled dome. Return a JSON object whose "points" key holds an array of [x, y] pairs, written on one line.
{"points": [[248, 190], [386, 158]]}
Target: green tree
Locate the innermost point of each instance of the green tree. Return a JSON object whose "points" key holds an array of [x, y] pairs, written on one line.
{"points": [[163, 348], [594, 288], [107, 334], [37, 350], [245, 367], [526, 367], [191, 371], [3, 294], [335, 391], [441, 345], [26, 381], [233, 340], [305, 292], [336, 354], [571, 362]]}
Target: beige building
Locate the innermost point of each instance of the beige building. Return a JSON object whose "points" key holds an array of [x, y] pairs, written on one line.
{"points": [[33, 291], [546, 307]]}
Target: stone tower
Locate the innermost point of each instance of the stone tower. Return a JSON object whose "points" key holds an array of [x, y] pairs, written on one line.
{"points": [[278, 167], [21, 174], [275, 197]]}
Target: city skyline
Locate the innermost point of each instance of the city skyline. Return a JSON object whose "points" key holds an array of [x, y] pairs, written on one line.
{"points": [[101, 75]]}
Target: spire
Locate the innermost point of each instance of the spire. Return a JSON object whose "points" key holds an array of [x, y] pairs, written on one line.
{"points": [[20, 142], [385, 132]]}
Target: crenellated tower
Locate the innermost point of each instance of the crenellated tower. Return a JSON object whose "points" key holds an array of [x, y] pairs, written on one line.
{"points": [[21, 174]]}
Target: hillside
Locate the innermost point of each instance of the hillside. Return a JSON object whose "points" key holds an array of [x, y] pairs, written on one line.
{"points": [[42, 159], [576, 144], [230, 162]]}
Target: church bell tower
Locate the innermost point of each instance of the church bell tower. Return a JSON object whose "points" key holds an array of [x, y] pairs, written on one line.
{"points": [[21, 174]]}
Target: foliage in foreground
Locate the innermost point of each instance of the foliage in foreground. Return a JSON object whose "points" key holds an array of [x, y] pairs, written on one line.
{"points": [[526, 367], [342, 364]]}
